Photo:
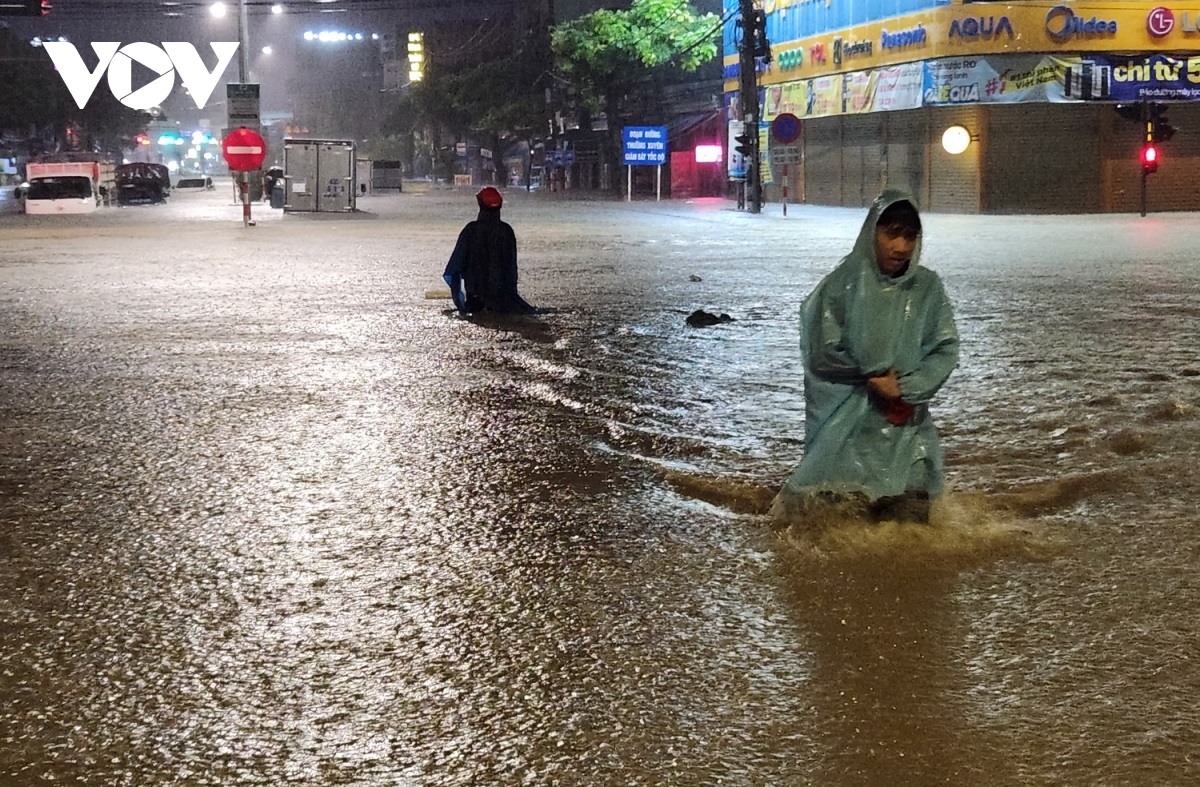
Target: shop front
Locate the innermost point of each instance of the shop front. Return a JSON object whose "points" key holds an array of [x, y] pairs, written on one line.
{"points": [[1034, 86]]}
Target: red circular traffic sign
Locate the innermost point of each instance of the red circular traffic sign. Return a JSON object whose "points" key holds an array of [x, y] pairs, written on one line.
{"points": [[244, 150], [785, 128]]}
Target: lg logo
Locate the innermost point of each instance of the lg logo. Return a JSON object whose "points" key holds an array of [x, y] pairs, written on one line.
{"points": [[1160, 21], [118, 61]]}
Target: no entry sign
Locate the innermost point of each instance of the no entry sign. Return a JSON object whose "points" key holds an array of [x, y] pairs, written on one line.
{"points": [[786, 128], [244, 150]]}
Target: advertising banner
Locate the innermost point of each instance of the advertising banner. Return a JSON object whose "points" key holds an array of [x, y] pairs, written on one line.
{"points": [[735, 163], [899, 87], [764, 153], [1146, 78], [996, 79], [824, 96], [858, 91], [790, 97]]}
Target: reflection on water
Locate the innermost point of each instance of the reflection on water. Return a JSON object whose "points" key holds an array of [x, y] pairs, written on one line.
{"points": [[291, 522]]}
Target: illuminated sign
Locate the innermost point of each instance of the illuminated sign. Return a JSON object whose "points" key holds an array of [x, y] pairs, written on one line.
{"points": [[914, 36], [1062, 24], [1160, 21], [707, 154], [984, 27], [416, 57]]}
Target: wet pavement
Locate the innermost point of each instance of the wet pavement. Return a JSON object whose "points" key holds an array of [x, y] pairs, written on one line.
{"points": [[269, 515]]}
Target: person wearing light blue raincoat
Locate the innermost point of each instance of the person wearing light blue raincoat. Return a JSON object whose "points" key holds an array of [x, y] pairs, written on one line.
{"points": [[878, 340]]}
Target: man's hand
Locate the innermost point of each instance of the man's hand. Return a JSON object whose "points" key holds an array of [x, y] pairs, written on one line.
{"points": [[885, 385]]}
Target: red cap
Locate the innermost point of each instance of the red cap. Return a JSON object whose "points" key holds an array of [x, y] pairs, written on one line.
{"points": [[489, 197]]}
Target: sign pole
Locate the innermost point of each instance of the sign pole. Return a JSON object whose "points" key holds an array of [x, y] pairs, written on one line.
{"points": [[629, 183], [785, 185], [658, 184], [244, 150]]}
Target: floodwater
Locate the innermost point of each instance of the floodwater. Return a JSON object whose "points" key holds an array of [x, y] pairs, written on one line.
{"points": [[268, 515]]}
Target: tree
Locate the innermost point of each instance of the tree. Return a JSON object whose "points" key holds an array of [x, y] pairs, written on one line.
{"points": [[481, 87], [606, 54]]}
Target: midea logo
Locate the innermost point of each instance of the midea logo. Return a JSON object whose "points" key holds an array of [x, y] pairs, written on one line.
{"points": [[118, 61]]}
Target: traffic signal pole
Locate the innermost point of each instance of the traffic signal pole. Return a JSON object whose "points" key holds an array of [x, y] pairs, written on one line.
{"points": [[748, 94]]}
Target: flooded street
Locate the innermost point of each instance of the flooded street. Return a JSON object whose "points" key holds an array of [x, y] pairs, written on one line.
{"points": [[270, 516]]}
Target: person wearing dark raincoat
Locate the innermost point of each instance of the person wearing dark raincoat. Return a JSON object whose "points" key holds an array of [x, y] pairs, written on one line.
{"points": [[482, 272], [879, 340]]}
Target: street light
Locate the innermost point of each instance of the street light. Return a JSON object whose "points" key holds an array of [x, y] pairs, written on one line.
{"points": [[219, 10]]}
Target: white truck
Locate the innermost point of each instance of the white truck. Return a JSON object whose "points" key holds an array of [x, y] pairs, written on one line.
{"points": [[68, 187]]}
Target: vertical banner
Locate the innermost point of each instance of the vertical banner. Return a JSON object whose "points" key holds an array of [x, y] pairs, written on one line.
{"points": [[735, 163], [764, 153]]}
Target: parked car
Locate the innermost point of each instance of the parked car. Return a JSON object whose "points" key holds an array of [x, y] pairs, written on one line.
{"points": [[142, 182], [200, 183]]}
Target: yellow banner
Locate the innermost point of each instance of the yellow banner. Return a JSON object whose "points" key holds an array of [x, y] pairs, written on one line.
{"points": [[790, 97]]}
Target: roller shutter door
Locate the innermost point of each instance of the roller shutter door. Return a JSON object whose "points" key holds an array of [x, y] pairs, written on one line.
{"points": [[823, 161], [862, 159], [905, 134], [1044, 158]]}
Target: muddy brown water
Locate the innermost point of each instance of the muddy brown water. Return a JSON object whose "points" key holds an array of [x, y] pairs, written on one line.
{"points": [[270, 516]]}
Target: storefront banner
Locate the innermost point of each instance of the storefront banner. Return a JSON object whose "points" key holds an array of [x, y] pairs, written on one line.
{"points": [[899, 87], [824, 96], [996, 79], [1147, 78], [790, 97], [858, 91]]}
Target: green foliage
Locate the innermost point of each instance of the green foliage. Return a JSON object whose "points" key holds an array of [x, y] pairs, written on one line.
{"points": [[492, 94], [608, 50]]}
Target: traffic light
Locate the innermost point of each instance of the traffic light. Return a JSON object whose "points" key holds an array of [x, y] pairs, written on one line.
{"points": [[762, 47], [1160, 129], [24, 7], [745, 145], [1149, 158]]}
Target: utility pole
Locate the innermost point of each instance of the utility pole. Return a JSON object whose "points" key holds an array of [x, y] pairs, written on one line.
{"points": [[243, 40], [748, 94]]}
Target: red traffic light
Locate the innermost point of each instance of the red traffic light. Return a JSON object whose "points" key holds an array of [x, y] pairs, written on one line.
{"points": [[1149, 158]]}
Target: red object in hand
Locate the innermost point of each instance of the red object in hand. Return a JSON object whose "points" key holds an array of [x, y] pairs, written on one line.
{"points": [[898, 412]]}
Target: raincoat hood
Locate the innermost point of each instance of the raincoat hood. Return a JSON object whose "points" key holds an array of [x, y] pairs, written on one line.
{"points": [[864, 248]]}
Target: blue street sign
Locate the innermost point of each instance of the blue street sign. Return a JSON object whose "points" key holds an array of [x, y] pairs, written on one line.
{"points": [[785, 128], [644, 145]]}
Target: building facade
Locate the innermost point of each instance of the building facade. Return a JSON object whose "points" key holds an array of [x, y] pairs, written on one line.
{"points": [[1036, 85]]}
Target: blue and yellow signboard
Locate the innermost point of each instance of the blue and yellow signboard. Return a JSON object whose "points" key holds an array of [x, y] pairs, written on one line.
{"points": [[814, 38]]}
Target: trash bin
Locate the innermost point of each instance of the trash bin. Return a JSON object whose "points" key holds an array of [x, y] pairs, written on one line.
{"points": [[277, 194]]}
